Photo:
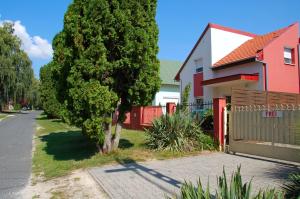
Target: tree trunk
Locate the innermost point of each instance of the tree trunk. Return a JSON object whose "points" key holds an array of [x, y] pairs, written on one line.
{"points": [[107, 145], [116, 139]]}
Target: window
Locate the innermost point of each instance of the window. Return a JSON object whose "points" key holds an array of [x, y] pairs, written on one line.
{"points": [[199, 65], [288, 56]]}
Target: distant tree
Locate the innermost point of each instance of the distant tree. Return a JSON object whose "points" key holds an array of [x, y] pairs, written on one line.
{"points": [[185, 98], [105, 60], [35, 99], [16, 72], [49, 102]]}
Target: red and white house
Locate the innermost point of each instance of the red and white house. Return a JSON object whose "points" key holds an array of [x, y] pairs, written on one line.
{"points": [[224, 58]]}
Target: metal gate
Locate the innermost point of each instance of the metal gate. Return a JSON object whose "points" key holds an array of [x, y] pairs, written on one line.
{"points": [[262, 131]]}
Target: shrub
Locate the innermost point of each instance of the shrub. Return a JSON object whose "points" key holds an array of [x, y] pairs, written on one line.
{"points": [[207, 121], [17, 107], [177, 132], [292, 187], [236, 189]]}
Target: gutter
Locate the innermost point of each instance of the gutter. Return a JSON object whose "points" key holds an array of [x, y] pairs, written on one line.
{"points": [[244, 61]]}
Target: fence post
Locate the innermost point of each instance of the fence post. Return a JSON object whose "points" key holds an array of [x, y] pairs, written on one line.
{"points": [[170, 108], [218, 107]]}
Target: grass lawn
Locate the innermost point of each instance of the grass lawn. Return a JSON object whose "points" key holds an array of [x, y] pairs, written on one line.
{"points": [[3, 115], [59, 149]]}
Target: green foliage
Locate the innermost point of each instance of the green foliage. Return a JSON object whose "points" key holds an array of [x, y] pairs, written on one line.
{"points": [[16, 72], [50, 104], [185, 98], [207, 121], [177, 132], [35, 99], [292, 187], [188, 191], [107, 48], [17, 107], [236, 189]]}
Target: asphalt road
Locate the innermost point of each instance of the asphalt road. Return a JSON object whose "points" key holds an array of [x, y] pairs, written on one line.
{"points": [[15, 153]]}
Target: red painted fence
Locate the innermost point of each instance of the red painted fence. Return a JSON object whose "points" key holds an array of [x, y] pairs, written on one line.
{"points": [[142, 117]]}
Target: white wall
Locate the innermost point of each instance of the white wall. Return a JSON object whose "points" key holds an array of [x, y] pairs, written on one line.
{"points": [[162, 97], [214, 45], [222, 43], [203, 50]]}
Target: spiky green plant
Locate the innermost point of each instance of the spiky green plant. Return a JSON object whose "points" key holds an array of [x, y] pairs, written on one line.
{"points": [[177, 132], [236, 189], [292, 186]]}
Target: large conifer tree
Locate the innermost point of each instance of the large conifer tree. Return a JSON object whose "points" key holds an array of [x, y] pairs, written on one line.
{"points": [[105, 59]]}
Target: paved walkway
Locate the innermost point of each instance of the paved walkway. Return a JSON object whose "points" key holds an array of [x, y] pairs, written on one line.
{"points": [[15, 153], [155, 179]]}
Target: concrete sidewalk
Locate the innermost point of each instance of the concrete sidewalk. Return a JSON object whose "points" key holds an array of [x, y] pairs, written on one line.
{"points": [[156, 179]]}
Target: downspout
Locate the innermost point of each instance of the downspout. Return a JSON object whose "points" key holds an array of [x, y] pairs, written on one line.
{"points": [[299, 65], [266, 76]]}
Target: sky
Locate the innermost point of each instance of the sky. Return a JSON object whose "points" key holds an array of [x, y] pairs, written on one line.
{"points": [[180, 22]]}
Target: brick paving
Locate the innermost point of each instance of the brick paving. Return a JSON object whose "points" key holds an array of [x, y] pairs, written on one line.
{"points": [[157, 179]]}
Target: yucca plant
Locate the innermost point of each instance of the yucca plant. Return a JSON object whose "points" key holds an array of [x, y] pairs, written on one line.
{"points": [[292, 186], [269, 194], [177, 132], [236, 189]]}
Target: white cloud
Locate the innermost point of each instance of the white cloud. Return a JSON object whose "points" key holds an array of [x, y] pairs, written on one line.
{"points": [[34, 46]]}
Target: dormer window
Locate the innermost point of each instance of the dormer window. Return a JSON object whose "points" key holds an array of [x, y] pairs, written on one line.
{"points": [[288, 55], [199, 65]]}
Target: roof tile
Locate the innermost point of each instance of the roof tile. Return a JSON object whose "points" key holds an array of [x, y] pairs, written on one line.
{"points": [[249, 48]]}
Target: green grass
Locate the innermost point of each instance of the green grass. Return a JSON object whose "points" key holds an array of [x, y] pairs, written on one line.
{"points": [[3, 115], [59, 149]]}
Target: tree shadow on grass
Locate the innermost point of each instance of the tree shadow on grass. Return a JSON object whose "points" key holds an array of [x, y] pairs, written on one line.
{"points": [[125, 144], [70, 145]]}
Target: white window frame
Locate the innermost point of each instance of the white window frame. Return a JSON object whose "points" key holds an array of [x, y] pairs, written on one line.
{"points": [[288, 55], [198, 65]]}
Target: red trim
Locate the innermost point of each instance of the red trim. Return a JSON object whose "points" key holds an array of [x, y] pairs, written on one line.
{"points": [[232, 30], [250, 77], [210, 25]]}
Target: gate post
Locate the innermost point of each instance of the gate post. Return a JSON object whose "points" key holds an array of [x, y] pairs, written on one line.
{"points": [[171, 107], [218, 108]]}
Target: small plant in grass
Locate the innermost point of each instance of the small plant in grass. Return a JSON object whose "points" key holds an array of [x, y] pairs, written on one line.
{"points": [[236, 189], [177, 132]]}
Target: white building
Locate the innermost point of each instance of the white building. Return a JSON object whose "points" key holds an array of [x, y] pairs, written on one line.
{"points": [[169, 90], [224, 58]]}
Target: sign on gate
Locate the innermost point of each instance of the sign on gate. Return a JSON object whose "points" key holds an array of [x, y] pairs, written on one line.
{"points": [[272, 114]]}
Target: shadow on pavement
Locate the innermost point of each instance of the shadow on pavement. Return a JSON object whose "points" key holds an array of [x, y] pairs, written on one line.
{"points": [[131, 165], [281, 170]]}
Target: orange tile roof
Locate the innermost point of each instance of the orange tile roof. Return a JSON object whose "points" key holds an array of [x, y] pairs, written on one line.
{"points": [[249, 49]]}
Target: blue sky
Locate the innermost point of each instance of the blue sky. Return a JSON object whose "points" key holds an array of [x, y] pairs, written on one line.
{"points": [[180, 22]]}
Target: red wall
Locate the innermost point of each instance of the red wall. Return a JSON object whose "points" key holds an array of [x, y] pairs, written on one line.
{"points": [[142, 117], [198, 87], [282, 77]]}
